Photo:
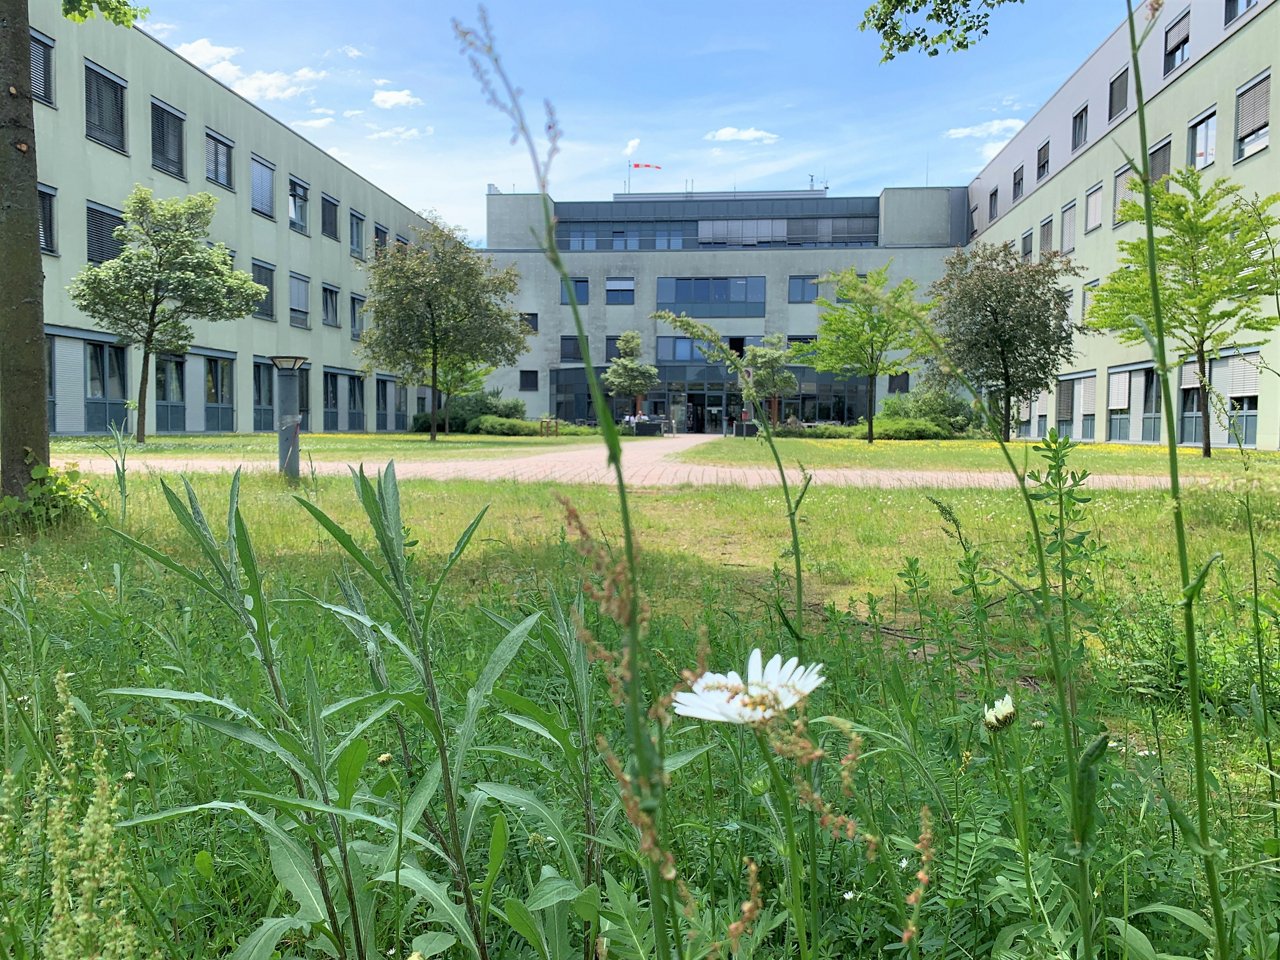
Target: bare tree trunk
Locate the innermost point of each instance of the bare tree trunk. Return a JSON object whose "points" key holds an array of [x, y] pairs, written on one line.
{"points": [[24, 411], [871, 409], [1202, 365], [435, 397], [142, 394], [1006, 413]]}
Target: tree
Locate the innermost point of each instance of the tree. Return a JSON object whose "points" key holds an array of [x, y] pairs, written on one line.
{"points": [[438, 302], [929, 25], [628, 375], [24, 415], [766, 369], [1213, 268], [871, 330], [1003, 322], [463, 378], [165, 276]]}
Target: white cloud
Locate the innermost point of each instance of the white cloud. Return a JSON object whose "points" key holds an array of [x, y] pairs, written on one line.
{"points": [[323, 111], [991, 148], [353, 52], [338, 154], [750, 134], [205, 53], [382, 82], [400, 134], [632, 146], [389, 99], [991, 128], [352, 113], [159, 30], [317, 124]]}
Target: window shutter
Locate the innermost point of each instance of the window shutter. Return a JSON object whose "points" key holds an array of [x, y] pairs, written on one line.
{"points": [[1069, 229], [1024, 410], [100, 223], [1253, 111], [1066, 399], [1159, 163], [1118, 391], [1042, 404], [1119, 95], [1089, 397], [1190, 377], [1178, 34], [166, 140], [261, 188], [41, 70], [1123, 192], [1243, 376], [104, 109], [1046, 237]]}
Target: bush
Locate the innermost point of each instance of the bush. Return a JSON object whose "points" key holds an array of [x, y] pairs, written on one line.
{"points": [[897, 428], [460, 411], [822, 432], [513, 427], [53, 497], [938, 405]]}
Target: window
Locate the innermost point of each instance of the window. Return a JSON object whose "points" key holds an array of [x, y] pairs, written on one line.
{"points": [[1242, 420], [1017, 184], [171, 383], [355, 403], [1086, 297], [619, 291], [1202, 141], [1068, 228], [685, 348], [262, 186], [528, 380], [299, 300], [569, 350], [1253, 117], [1118, 95], [265, 274], [357, 316], [1046, 237], [1123, 191], [103, 107], [993, 203], [1080, 128], [611, 351], [330, 400], [48, 239], [1176, 41], [329, 216], [579, 287], [712, 296], [42, 68], [167, 154], [219, 395], [298, 193], [264, 395], [217, 159], [530, 321], [101, 222], [1042, 161], [1026, 247], [357, 234], [580, 239], [899, 383], [1093, 209], [402, 240], [802, 289], [1066, 406], [1150, 406], [329, 305], [1159, 162], [380, 236], [1118, 406], [1236, 7]]}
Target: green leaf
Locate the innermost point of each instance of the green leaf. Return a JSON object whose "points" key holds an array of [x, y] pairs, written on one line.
{"points": [[430, 944], [295, 871], [551, 890], [353, 549], [1134, 941], [524, 800], [263, 741], [677, 760], [478, 695], [349, 766], [315, 806], [203, 864], [182, 696], [1188, 918], [261, 944], [497, 854], [524, 923], [444, 908]]}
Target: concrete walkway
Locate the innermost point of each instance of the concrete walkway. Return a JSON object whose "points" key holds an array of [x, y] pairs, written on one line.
{"points": [[649, 463]]}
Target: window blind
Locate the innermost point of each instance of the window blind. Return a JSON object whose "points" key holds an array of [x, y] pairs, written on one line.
{"points": [[1118, 391], [1253, 111], [1046, 237], [41, 70], [166, 140], [1068, 229], [1089, 397], [1066, 399], [104, 109], [1178, 34], [1118, 98], [100, 223], [262, 193], [1242, 374]]}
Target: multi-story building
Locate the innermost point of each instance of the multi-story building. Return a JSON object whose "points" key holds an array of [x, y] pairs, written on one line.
{"points": [[116, 108], [748, 261]]}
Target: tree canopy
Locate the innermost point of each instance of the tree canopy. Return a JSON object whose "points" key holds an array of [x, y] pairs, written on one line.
{"points": [[628, 375], [931, 26], [439, 302], [1213, 265], [1004, 323], [166, 275]]}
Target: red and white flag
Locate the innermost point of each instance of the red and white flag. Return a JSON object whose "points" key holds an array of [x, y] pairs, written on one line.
{"points": [[645, 166]]}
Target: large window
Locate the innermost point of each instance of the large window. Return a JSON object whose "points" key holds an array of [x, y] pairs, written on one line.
{"points": [[581, 290], [299, 192], [219, 395], [100, 224], [620, 291], [1242, 399], [42, 68], [802, 289], [528, 380], [1118, 406], [712, 296], [262, 186], [1253, 117], [355, 402], [48, 237], [357, 234], [265, 275], [171, 406], [329, 216], [1118, 94], [357, 317], [330, 400], [570, 350], [1233, 8], [1202, 140], [683, 348], [1177, 39], [299, 300], [167, 126], [104, 107], [105, 390], [329, 305], [217, 159], [264, 396], [1080, 128], [1150, 405]]}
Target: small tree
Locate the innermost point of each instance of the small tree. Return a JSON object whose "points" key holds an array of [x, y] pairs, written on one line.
{"points": [[165, 276], [872, 330], [1213, 266], [1004, 322], [460, 379], [766, 368], [436, 303], [628, 375]]}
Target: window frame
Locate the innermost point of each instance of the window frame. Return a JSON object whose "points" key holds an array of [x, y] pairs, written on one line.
{"points": [[356, 304], [1019, 182], [299, 199], [256, 164], [103, 75], [1081, 115], [1112, 114], [619, 296], [48, 74], [1239, 151], [532, 324], [1207, 117], [166, 114], [993, 205], [46, 196], [1068, 214], [92, 206], [355, 227], [1176, 57], [574, 353], [579, 283], [266, 308], [1095, 190], [329, 203], [525, 377], [300, 317], [804, 282], [1042, 162], [212, 137], [330, 293]]}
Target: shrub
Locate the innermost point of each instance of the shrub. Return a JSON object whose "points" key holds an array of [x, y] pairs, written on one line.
{"points": [[895, 428], [53, 497], [503, 427], [460, 411], [823, 432], [938, 405]]}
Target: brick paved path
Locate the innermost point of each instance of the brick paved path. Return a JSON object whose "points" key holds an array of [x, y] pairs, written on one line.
{"points": [[649, 463]]}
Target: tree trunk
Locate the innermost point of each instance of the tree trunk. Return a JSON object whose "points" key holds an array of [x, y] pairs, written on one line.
{"points": [[142, 394], [773, 410], [435, 397], [639, 403], [871, 409], [1202, 365], [24, 411], [1006, 413]]}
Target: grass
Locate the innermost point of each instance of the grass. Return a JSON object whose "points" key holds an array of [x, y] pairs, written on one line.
{"points": [[952, 456]]}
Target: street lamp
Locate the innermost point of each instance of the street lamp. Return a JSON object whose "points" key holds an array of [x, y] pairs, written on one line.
{"points": [[289, 424]]}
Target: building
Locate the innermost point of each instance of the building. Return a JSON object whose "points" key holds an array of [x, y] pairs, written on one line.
{"points": [[749, 260], [115, 108]]}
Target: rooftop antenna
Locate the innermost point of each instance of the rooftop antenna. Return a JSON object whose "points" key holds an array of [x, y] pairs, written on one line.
{"points": [[811, 181]]}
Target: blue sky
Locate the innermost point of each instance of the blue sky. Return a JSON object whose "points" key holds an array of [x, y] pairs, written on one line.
{"points": [[750, 95]]}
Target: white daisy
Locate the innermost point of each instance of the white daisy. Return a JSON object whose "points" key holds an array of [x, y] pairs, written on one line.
{"points": [[769, 689], [1000, 714]]}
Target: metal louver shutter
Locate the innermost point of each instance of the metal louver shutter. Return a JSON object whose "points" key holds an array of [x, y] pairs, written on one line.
{"points": [[1159, 163], [261, 189], [1089, 397], [1046, 237], [1068, 229], [1118, 99], [1123, 191], [1024, 410], [1118, 391], [104, 109], [1176, 35], [166, 141], [1190, 377], [41, 70], [100, 225], [1243, 376], [1253, 110], [1066, 398], [1042, 404]]}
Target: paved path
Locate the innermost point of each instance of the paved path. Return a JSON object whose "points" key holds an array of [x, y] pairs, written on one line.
{"points": [[649, 463]]}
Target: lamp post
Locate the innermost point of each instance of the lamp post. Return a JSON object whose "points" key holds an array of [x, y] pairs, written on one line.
{"points": [[289, 422]]}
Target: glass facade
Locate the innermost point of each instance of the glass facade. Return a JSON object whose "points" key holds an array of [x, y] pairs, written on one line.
{"points": [[712, 296]]}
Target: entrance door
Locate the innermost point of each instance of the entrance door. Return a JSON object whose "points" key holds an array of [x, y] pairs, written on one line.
{"points": [[696, 413], [715, 413]]}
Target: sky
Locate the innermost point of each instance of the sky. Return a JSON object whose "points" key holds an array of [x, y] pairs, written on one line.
{"points": [[747, 95]]}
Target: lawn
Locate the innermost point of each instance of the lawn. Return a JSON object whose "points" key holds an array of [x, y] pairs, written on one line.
{"points": [[972, 455]]}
